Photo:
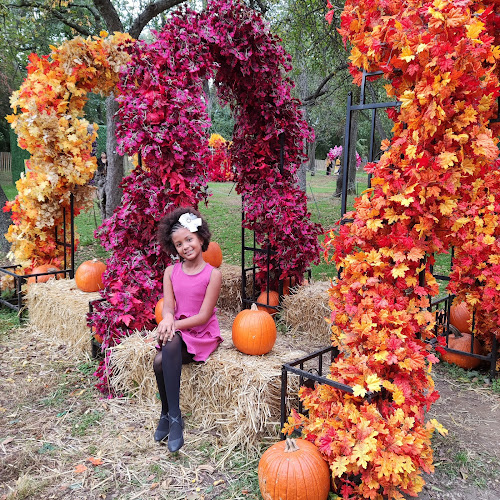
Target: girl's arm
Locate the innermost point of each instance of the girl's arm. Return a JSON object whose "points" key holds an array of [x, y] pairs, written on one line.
{"points": [[166, 326], [207, 307]]}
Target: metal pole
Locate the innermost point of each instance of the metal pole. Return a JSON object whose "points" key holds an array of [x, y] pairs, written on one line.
{"points": [[243, 272], [64, 239], [282, 152], [284, 387], [345, 166], [72, 218]]}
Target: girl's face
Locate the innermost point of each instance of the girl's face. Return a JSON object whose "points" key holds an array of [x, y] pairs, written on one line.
{"points": [[187, 244]]}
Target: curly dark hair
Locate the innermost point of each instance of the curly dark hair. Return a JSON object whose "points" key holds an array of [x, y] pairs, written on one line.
{"points": [[172, 219]]}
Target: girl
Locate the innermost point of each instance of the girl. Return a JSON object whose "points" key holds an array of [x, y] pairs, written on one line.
{"points": [[189, 330]]}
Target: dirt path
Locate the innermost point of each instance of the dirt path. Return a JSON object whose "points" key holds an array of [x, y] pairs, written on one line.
{"points": [[59, 440], [468, 459]]}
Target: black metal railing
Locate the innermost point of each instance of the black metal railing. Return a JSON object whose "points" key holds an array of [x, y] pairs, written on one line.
{"points": [[317, 362], [16, 299]]}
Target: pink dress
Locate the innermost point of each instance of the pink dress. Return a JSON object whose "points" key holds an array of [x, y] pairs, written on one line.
{"points": [[189, 291]]}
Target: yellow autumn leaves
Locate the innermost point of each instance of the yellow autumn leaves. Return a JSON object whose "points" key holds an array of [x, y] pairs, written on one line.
{"points": [[48, 119]]}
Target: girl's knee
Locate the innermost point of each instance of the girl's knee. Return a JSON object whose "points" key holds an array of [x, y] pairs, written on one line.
{"points": [[157, 363]]}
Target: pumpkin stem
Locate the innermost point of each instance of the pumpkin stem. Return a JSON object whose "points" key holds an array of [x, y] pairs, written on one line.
{"points": [[291, 445], [254, 307], [456, 332]]}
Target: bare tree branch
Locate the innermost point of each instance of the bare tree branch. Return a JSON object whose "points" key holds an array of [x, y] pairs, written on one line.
{"points": [[58, 15], [151, 11], [91, 9], [319, 91]]}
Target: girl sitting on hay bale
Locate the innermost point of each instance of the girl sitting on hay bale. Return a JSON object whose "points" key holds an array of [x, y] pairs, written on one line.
{"points": [[189, 330]]}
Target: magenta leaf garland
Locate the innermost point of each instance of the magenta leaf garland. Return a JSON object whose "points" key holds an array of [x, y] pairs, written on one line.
{"points": [[163, 117]]}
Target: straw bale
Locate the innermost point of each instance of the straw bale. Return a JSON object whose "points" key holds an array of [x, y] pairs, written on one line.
{"points": [[59, 309], [305, 311], [230, 293], [235, 394]]}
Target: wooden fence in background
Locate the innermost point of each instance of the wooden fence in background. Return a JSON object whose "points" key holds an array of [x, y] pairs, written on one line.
{"points": [[5, 168]]}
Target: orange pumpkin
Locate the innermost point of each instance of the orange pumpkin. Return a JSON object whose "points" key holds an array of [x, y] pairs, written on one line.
{"points": [[287, 283], [274, 300], [158, 311], [293, 469], [254, 331], [97, 337], [46, 268], [461, 317], [461, 342], [88, 276], [213, 254]]}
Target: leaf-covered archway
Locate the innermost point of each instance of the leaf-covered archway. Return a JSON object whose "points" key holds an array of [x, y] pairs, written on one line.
{"points": [[437, 185]]}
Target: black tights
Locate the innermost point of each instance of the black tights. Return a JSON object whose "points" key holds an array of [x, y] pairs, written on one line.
{"points": [[167, 366]]}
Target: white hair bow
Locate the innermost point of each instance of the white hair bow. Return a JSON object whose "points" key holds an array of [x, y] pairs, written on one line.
{"points": [[190, 221]]}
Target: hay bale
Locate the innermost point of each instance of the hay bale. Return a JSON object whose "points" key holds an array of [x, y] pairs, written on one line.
{"points": [[232, 393], [230, 293], [305, 310], [59, 309]]}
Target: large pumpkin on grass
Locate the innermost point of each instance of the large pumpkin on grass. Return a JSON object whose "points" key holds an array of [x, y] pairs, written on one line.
{"points": [[254, 331], [213, 254], [461, 316], [88, 276], [45, 268], [461, 342], [293, 470], [272, 300], [158, 311]]}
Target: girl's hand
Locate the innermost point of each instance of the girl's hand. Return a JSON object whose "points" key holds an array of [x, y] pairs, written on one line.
{"points": [[166, 329]]}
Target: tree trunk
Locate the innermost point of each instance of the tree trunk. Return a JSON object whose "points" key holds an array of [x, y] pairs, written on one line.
{"points": [[311, 154], [301, 175], [115, 161]]}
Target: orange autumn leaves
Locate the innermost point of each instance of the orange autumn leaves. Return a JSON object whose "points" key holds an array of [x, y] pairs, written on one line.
{"points": [[437, 185], [49, 121]]}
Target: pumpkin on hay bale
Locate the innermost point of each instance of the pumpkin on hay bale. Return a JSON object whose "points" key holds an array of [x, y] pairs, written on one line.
{"points": [[213, 254], [305, 311], [59, 310], [88, 276], [236, 395]]}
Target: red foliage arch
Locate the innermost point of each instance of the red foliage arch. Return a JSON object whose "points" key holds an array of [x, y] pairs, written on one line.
{"points": [[162, 116]]}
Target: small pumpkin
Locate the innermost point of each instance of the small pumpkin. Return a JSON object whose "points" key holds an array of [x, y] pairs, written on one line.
{"points": [[88, 276], [293, 469], [254, 331], [461, 342], [213, 254], [273, 300], [288, 282], [45, 268], [96, 336], [159, 311], [461, 317]]}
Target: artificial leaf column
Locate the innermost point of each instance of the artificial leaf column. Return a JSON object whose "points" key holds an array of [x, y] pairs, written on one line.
{"points": [[49, 121], [435, 186]]}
